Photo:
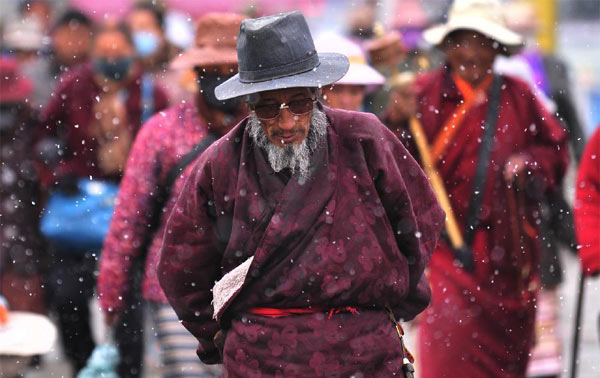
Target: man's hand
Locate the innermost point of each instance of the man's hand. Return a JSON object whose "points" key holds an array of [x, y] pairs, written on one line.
{"points": [[515, 166]]}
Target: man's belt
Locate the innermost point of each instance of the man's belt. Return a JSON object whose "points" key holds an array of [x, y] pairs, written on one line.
{"points": [[284, 312]]}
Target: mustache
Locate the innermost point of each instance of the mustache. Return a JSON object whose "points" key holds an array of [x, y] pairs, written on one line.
{"points": [[276, 133]]}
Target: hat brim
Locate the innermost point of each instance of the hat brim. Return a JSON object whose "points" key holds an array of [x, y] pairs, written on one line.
{"points": [[204, 57], [361, 74], [513, 41], [331, 68]]}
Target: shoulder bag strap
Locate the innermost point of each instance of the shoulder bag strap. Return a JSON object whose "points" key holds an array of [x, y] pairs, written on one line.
{"points": [[164, 191], [482, 169], [209, 139]]}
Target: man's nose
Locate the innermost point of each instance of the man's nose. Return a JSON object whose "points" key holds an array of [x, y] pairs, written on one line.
{"points": [[287, 119]]}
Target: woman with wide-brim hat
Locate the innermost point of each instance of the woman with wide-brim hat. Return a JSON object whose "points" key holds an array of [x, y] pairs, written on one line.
{"points": [[489, 138]]}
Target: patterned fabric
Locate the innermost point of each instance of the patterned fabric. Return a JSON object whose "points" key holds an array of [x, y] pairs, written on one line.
{"points": [[358, 233], [482, 322], [178, 347], [161, 143]]}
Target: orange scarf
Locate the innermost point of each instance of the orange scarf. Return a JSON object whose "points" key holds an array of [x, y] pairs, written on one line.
{"points": [[471, 96]]}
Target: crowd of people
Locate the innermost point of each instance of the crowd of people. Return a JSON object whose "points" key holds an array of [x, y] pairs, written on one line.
{"points": [[278, 206]]}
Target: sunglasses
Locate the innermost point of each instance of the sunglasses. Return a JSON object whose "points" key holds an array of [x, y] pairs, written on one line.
{"points": [[272, 111]]}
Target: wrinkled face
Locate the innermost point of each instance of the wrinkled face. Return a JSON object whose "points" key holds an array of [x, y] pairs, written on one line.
{"points": [[342, 96], [471, 54], [72, 43], [287, 127]]}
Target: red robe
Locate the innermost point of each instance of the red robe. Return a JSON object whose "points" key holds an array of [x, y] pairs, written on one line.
{"points": [[358, 233], [587, 206], [480, 324]]}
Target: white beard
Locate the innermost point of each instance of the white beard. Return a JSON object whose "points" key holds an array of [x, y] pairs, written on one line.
{"points": [[296, 157]]}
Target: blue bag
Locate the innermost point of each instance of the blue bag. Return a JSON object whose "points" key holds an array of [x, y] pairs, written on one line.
{"points": [[102, 363], [79, 222]]}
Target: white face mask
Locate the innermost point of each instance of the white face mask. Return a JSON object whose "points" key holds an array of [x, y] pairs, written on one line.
{"points": [[146, 43]]}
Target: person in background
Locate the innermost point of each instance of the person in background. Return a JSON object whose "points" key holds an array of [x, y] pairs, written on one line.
{"points": [[386, 53], [23, 252], [587, 207], [25, 40], [39, 10], [71, 38], [481, 319], [349, 92], [165, 140], [70, 42], [146, 22], [94, 115], [548, 76], [401, 106]]}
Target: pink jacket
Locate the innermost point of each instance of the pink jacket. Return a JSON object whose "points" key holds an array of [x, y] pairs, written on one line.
{"points": [[160, 144]]}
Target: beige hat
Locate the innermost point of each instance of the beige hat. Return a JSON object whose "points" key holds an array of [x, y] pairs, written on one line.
{"points": [[483, 16]]}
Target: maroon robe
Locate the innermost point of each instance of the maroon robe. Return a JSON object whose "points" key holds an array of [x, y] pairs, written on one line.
{"points": [[358, 233], [483, 322]]}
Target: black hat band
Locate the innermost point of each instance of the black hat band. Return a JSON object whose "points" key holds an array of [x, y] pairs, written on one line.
{"points": [[289, 69]]}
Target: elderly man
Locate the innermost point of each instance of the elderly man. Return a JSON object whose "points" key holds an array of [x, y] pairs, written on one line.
{"points": [[312, 221], [495, 148]]}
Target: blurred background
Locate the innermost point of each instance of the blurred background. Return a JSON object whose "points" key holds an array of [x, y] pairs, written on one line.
{"points": [[567, 30]]}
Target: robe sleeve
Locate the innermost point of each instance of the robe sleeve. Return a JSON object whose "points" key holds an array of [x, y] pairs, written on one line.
{"points": [[413, 210], [190, 259], [547, 149], [587, 207], [135, 208]]}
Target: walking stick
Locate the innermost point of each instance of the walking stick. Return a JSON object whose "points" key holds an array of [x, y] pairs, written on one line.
{"points": [[577, 330]]}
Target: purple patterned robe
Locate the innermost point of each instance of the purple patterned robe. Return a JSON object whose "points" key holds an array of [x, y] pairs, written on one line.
{"points": [[358, 233]]}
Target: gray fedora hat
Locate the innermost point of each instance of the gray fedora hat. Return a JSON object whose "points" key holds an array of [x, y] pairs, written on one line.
{"points": [[277, 52]]}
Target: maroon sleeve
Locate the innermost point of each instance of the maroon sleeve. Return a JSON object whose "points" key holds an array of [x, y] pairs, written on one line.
{"points": [[133, 212], [190, 258], [412, 208], [547, 147], [587, 207]]}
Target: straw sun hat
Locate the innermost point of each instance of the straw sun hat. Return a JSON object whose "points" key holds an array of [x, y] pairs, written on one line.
{"points": [[483, 16]]}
